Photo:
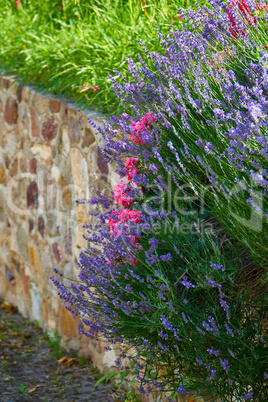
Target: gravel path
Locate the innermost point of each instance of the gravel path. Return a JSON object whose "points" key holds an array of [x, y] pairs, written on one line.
{"points": [[33, 368]]}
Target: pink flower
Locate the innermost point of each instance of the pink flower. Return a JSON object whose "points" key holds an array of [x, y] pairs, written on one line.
{"points": [[139, 128], [94, 88], [130, 162], [261, 6], [112, 223], [120, 196], [133, 239], [219, 59], [17, 3], [84, 86], [132, 214], [130, 167], [148, 119]]}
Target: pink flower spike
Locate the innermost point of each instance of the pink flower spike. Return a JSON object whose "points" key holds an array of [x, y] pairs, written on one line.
{"points": [[261, 6], [130, 167], [17, 3], [120, 197]]}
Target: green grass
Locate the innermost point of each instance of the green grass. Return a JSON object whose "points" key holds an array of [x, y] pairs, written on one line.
{"points": [[60, 50]]}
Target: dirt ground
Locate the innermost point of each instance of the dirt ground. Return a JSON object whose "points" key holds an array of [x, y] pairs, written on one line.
{"points": [[34, 368]]}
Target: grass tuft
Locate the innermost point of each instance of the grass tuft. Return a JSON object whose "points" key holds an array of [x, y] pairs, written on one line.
{"points": [[65, 47]]}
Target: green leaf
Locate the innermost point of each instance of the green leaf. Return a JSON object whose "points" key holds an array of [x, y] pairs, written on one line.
{"points": [[108, 375]]}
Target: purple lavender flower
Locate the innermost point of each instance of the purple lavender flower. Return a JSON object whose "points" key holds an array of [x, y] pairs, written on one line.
{"points": [[213, 374], [247, 396], [224, 364], [181, 390], [213, 352], [187, 284]]}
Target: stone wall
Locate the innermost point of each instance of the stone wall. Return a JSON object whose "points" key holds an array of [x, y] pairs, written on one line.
{"points": [[48, 158]]}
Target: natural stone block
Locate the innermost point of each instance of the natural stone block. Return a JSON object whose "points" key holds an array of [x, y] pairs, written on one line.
{"points": [[34, 124], [64, 112], [50, 129], [31, 225], [69, 272], [26, 94], [82, 215], [5, 83], [53, 226], [22, 242], [102, 165], [57, 252], [36, 302], [11, 142], [11, 111], [33, 165], [2, 175], [67, 198], [24, 280], [32, 195], [23, 165], [74, 130], [65, 141], [40, 104], [41, 226], [89, 138], [55, 173], [54, 105], [68, 242], [19, 93], [68, 325], [34, 258], [43, 150], [79, 172]]}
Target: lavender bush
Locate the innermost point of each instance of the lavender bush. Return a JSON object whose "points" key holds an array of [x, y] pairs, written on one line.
{"points": [[176, 266]]}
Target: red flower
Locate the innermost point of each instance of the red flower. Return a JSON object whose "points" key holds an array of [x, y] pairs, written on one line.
{"points": [[17, 3], [243, 7]]}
